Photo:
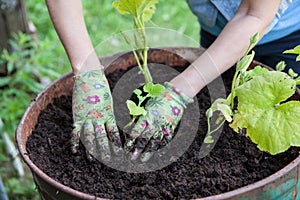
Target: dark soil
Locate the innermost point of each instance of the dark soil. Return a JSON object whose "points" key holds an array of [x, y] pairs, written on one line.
{"points": [[234, 162]]}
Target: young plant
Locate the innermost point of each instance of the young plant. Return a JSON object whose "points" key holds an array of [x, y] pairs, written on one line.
{"points": [[263, 108], [141, 11], [152, 90]]}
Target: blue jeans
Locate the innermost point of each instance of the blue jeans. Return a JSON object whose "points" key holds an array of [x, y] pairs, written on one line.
{"points": [[268, 53]]}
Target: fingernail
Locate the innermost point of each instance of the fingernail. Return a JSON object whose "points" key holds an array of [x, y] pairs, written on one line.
{"points": [[88, 155], [146, 156], [136, 154], [105, 157], [128, 145], [74, 148], [117, 150]]}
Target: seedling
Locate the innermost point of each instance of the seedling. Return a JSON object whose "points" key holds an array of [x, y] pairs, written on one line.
{"points": [[152, 90], [141, 11], [271, 120]]}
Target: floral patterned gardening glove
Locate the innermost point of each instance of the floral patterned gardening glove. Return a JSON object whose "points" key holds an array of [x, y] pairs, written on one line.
{"points": [[94, 120], [158, 125]]}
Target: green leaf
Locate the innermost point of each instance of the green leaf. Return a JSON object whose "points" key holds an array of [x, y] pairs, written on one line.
{"points": [[257, 71], [271, 124], [280, 66], [149, 9], [4, 158], [208, 139], [295, 50], [141, 9], [297, 80], [226, 111], [244, 63], [134, 109], [153, 90], [10, 67], [292, 73], [138, 92], [254, 39], [141, 98], [215, 124], [5, 81], [214, 106], [209, 113]]}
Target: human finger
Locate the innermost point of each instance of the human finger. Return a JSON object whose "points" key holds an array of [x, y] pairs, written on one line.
{"points": [[75, 137], [141, 142], [87, 138], [114, 135], [141, 126], [168, 133], [101, 139], [152, 146]]}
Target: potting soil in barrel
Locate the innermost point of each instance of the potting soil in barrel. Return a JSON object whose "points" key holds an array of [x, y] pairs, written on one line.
{"points": [[234, 162]]}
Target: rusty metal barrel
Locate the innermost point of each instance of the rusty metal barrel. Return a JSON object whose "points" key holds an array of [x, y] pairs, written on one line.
{"points": [[283, 185]]}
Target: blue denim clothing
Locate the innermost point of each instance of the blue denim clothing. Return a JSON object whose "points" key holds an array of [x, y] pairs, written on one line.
{"points": [[266, 53], [213, 15]]}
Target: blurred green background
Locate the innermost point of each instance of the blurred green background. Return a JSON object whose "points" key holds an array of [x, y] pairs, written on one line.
{"points": [[47, 58]]}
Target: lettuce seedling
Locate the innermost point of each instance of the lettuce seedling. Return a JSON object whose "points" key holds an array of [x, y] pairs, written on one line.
{"points": [[271, 120]]}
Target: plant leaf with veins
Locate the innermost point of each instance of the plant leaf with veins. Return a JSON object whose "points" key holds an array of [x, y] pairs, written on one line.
{"points": [[134, 109], [221, 105], [138, 8], [270, 123], [257, 71], [138, 94], [153, 90]]}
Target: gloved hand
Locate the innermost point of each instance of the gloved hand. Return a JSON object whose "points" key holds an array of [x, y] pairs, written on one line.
{"points": [[94, 120], [158, 125]]}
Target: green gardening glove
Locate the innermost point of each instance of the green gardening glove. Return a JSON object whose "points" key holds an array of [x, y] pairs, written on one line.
{"points": [[94, 120], [158, 125]]}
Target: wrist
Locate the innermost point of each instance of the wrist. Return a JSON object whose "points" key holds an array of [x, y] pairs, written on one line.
{"points": [[200, 73], [181, 97], [187, 84], [91, 77], [86, 64]]}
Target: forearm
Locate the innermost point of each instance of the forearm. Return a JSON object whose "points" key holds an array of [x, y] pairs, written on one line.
{"points": [[221, 55], [233, 42], [67, 18], [228, 48]]}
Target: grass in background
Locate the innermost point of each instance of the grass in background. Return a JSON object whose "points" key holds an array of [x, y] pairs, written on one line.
{"points": [[102, 21]]}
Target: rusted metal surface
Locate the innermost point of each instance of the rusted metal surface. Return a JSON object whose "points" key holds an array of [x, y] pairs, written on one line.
{"points": [[282, 185], [48, 188], [168, 56]]}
